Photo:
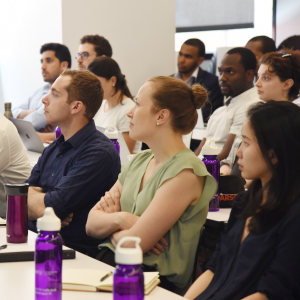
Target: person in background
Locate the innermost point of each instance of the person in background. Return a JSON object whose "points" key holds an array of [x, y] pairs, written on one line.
{"points": [[118, 99], [258, 256], [92, 46], [14, 162], [54, 59], [236, 81], [292, 42], [279, 80], [77, 168], [279, 76], [162, 194], [261, 45], [190, 57]]}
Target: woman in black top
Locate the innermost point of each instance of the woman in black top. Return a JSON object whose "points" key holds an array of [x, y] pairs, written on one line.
{"points": [[259, 254]]}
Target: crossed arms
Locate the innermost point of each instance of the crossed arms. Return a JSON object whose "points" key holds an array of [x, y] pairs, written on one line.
{"points": [[168, 204]]}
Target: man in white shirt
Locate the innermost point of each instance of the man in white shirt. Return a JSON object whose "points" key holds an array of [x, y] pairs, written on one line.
{"points": [[54, 59], [92, 46], [236, 81], [14, 162]]}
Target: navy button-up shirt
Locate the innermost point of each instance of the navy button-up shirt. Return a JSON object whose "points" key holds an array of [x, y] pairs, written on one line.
{"points": [[75, 174]]}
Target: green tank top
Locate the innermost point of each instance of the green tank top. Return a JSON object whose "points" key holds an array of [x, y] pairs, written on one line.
{"points": [[177, 261]]}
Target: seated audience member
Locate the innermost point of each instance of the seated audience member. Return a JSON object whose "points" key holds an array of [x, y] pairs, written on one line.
{"points": [[279, 80], [118, 99], [236, 80], [279, 76], [92, 46], [14, 162], [55, 58], [78, 167], [258, 256], [162, 194], [292, 42], [190, 57], [261, 45]]}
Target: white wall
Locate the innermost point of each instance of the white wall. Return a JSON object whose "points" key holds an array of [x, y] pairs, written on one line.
{"points": [[142, 33], [287, 19], [25, 26]]}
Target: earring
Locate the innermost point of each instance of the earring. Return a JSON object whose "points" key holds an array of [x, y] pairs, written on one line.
{"points": [[157, 123]]}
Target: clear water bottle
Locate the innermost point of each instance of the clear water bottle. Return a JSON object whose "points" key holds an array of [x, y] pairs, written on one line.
{"points": [[57, 132], [48, 257], [128, 276], [210, 152], [112, 133]]}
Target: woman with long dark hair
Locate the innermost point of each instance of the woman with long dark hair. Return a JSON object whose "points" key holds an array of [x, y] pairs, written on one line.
{"points": [[258, 257], [117, 98]]}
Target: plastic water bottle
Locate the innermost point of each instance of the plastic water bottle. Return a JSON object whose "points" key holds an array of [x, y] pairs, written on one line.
{"points": [[48, 257], [128, 276], [112, 133], [210, 152], [57, 132]]}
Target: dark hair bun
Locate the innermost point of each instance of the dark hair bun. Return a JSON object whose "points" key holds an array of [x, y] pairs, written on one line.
{"points": [[200, 95]]}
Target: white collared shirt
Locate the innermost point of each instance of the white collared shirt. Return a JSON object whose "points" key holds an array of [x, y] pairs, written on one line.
{"points": [[192, 79], [229, 119]]}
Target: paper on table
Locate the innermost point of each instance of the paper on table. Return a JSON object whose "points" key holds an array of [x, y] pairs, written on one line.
{"points": [[2, 221], [89, 280]]}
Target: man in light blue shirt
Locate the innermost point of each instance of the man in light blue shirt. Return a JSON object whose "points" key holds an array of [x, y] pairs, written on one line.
{"points": [[55, 58]]}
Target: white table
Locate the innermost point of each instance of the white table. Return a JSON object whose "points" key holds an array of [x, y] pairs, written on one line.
{"points": [[17, 279], [220, 216]]}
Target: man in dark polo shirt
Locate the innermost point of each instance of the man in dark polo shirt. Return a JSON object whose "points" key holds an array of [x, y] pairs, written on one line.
{"points": [[76, 170]]}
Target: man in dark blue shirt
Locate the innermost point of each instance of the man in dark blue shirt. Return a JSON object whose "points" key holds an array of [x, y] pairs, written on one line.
{"points": [[76, 170]]}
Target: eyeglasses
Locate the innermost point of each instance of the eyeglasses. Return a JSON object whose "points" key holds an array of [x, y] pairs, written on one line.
{"points": [[83, 55]]}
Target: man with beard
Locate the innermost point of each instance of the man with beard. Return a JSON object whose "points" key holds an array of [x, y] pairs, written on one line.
{"points": [[55, 58], [236, 81], [190, 56]]}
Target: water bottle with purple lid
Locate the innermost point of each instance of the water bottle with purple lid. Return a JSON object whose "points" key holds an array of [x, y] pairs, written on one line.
{"points": [[16, 213], [57, 132], [48, 257], [112, 133], [128, 276], [210, 152]]}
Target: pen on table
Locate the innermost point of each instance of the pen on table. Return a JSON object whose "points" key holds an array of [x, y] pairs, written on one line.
{"points": [[106, 276], [3, 247]]}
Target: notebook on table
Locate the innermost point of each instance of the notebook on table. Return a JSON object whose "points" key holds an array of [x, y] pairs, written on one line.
{"points": [[25, 251], [90, 280]]}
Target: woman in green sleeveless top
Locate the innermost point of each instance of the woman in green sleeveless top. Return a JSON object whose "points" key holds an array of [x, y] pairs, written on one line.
{"points": [[162, 194]]}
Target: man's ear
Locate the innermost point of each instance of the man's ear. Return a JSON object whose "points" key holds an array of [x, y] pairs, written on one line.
{"points": [[250, 75], [162, 116], [76, 107], [64, 65], [200, 60], [273, 157]]}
